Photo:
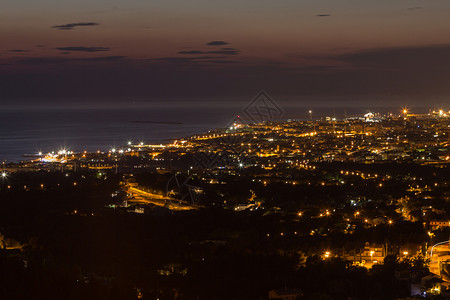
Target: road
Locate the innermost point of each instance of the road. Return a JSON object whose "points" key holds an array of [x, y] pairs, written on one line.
{"points": [[440, 253], [159, 200]]}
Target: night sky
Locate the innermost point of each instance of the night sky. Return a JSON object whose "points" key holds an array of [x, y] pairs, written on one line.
{"points": [[352, 51]]}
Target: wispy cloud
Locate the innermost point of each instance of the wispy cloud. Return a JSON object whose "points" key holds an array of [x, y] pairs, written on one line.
{"points": [[217, 43], [83, 49], [223, 61], [185, 59], [71, 26], [192, 52], [223, 51], [62, 60], [103, 58], [19, 50]]}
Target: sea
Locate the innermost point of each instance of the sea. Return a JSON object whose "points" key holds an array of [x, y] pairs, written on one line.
{"points": [[26, 130]]}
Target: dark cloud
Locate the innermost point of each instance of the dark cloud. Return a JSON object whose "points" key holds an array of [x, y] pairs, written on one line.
{"points": [[63, 60], [223, 51], [408, 71], [185, 59], [42, 61], [400, 58], [369, 77], [323, 15], [40, 46], [415, 8], [71, 26], [217, 43], [104, 58], [215, 61], [193, 52], [19, 50], [83, 49]]}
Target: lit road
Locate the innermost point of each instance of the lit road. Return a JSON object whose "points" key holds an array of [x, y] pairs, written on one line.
{"points": [[440, 253], [159, 200]]}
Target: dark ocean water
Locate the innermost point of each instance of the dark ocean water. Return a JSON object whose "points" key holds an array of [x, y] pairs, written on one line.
{"points": [[28, 130]]}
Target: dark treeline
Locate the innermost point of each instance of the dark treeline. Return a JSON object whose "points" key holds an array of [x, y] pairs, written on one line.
{"points": [[72, 247]]}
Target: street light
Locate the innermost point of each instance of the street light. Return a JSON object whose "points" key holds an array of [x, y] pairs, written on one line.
{"points": [[404, 111], [310, 115], [3, 176]]}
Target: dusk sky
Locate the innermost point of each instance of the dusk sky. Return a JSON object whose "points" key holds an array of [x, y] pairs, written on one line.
{"points": [[338, 50]]}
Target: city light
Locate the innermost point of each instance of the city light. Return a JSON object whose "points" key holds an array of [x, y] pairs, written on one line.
{"points": [[317, 145], [63, 152], [127, 170]]}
